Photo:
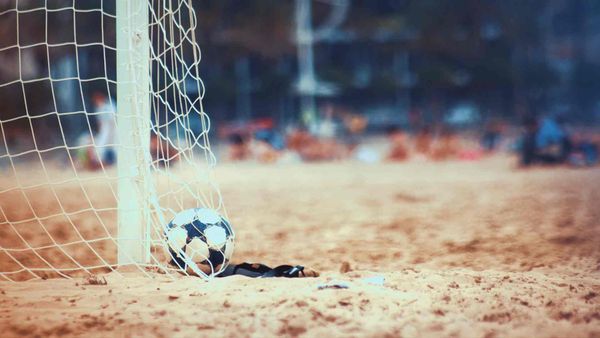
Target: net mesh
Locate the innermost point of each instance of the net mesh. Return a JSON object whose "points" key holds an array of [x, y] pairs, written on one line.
{"points": [[59, 141]]}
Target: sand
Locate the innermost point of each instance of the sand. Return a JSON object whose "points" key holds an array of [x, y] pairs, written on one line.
{"points": [[459, 249]]}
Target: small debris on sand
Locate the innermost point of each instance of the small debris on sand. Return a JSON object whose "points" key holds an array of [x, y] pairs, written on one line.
{"points": [[334, 285], [94, 280]]}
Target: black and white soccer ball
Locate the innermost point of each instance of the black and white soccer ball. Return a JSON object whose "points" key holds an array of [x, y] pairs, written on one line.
{"points": [[200, 241]]}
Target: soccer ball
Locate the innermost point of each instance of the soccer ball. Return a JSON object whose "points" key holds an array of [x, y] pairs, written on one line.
{"points": [[200, 241]]}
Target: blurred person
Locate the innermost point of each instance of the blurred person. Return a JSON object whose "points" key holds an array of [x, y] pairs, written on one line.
{"points": [[584, 152], [264, 152], [86, 155], [398, 145], [327, 126], [239, 148], [105, 139], [267, 145], [423, 140], [528, 141], [312, 148], [296, 138], [322, 150], [553, 143], [445, 146], [272, 137], [97, 151], [162, 152], [354, 126], [545, 141], [245, 138]]}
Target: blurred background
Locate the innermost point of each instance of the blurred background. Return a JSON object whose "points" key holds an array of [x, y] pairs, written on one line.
{"points": [[327, 78], [385, 58]]}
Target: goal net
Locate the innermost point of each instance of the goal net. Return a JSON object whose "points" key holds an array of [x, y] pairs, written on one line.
{"points": [[103, 136]]}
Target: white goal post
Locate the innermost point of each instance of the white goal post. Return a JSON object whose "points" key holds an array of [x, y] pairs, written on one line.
{"points": [[133, 128], [103, 134]]}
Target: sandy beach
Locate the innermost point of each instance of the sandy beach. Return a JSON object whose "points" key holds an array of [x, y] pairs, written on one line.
{"points": [[421, 249]]}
